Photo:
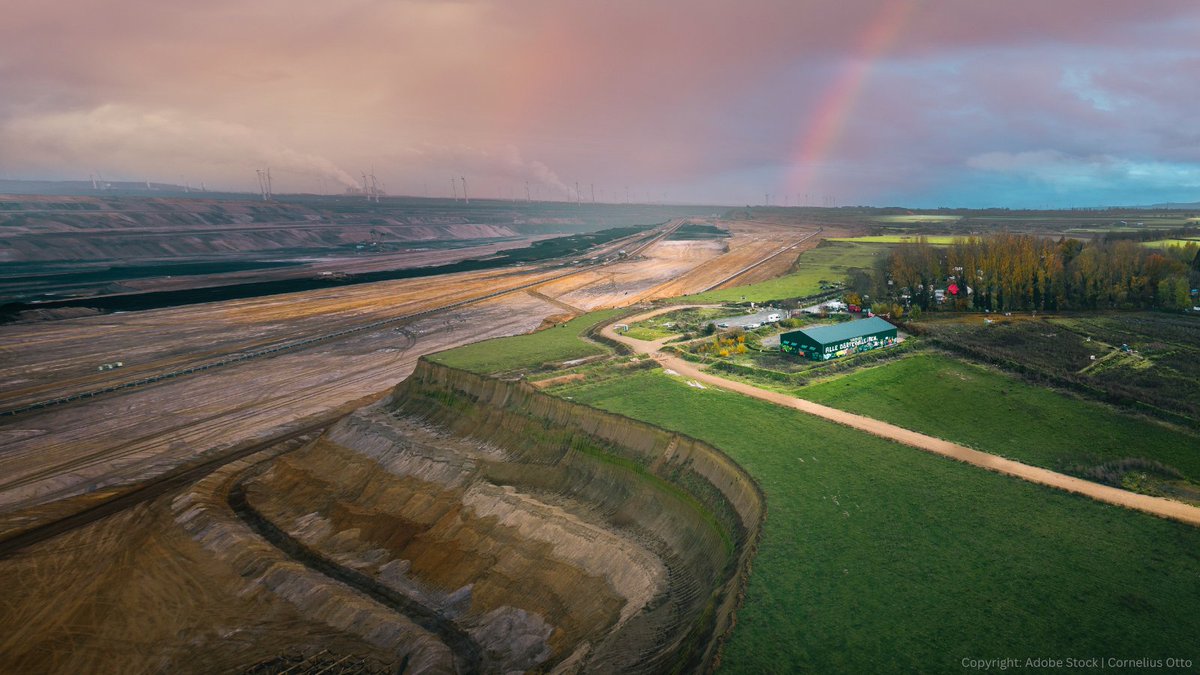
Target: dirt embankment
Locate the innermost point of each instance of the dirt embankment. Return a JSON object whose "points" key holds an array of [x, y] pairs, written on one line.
{"points": [[38, 229], [553, 535]]}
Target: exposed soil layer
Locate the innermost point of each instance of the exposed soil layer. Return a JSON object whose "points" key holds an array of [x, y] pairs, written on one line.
{"points": [[138, 593], [556, 536]]}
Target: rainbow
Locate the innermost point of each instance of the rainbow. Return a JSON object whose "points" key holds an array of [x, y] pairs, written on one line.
{"points": [[824, 128]]}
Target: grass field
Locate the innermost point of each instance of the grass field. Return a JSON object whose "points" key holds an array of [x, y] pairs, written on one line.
{"points": [[880, 558], [1163, 371], [934, 239], [1163, 243], [679, 321], [502, 355], [1003, 415], [831, 261]]}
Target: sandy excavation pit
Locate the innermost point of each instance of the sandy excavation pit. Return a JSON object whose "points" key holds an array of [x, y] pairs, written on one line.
{"points": [[554, 537], [462, 525], [546, 540]]}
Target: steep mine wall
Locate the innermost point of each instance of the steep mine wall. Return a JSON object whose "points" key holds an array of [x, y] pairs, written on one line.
{"points": [[548, 430], [526, 532], [460, 400]]}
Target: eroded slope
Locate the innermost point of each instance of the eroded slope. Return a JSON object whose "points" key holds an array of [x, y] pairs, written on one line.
{"points": [[552, 535]]}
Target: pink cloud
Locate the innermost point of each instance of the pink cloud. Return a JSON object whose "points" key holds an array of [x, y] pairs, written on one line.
{"points": [[608, 92]]}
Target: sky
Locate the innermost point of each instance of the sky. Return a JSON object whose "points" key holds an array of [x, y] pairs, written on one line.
{"points": [[919, 103]]}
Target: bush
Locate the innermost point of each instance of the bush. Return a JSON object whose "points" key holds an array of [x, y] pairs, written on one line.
{"points": [[1115, 473]]}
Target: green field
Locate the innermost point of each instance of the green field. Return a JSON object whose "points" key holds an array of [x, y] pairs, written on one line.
{"points": [[502, 355], [1000, 414], [934, 239], [1163, 243], [830, 261], [881, 558], [1161, 374]]}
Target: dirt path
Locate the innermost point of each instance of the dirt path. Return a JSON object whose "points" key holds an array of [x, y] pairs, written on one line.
{"points": [[555, 301], [1165, 508]]}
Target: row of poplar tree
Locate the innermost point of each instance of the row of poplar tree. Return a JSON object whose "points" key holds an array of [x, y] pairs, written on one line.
{"points": [[1005, 272]]}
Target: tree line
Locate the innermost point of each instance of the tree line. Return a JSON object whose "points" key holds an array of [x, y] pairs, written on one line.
{"points": [[1007, 272]]}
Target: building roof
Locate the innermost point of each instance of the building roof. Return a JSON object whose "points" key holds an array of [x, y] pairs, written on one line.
{"points": [[839, 332]]}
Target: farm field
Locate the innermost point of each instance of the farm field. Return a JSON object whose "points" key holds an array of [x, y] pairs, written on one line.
{"points": [[831, 261], [1003, 415], [1161, 372], [877, 556], [558, 343], [1098, 221], [1163, 243]]}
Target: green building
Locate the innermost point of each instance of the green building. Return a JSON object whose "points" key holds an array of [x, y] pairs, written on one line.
{"points": [[828, 342]]}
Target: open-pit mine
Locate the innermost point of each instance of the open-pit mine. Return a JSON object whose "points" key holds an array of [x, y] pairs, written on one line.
{"points": [[278, 483]]}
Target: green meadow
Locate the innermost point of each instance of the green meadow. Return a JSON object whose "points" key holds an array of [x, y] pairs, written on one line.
{"points": [[829, 262], [880, 558], [1163, 243], [500, 355], [1001, 414]]}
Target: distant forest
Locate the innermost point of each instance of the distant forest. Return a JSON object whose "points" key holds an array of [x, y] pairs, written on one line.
{"points": [[1006, 272]]}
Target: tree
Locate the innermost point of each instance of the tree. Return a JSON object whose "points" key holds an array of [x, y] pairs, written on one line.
{"points": [[1023, 272]]}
